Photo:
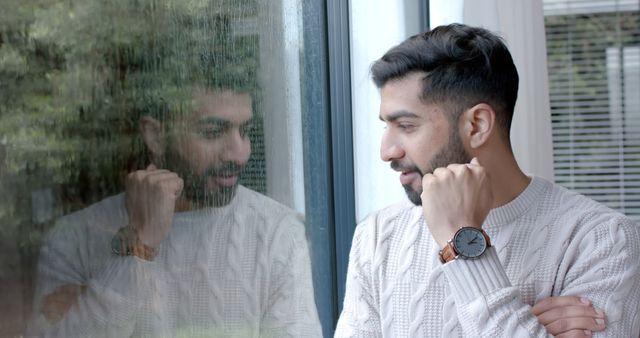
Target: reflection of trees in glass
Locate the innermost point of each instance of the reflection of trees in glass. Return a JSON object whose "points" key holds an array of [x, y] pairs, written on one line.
{"points": [[75, 75], [585, 130]]}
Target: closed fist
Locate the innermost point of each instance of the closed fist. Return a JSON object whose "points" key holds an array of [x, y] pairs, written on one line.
{"points": [[150, 199], [455, 196]]}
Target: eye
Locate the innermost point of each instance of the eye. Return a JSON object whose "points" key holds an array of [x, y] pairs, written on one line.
{"points": [[245, 129], [212, 133], [406, 127]]}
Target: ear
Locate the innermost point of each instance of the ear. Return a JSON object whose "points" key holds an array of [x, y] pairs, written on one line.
{"points": [[478, 123], [153, 136]]}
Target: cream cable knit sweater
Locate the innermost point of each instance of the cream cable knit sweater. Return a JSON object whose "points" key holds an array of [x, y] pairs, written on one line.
{"points": [[242, 270], [546, 242]]}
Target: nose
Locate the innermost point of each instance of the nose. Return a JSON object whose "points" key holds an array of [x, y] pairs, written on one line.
{"points": [[389, 148], [237, 148]]}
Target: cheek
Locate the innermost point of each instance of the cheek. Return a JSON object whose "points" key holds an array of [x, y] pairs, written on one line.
{"points": [[247, 149], [200, 154], [421, 148]]}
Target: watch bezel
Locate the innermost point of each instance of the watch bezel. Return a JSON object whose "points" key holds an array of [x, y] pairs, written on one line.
{"points": [[462, 253]]}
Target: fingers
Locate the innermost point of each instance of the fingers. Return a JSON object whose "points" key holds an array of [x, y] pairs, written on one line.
{"points": [[167, 181], [575, 334], [552, 315], [576, 324], [457, 170], [162, 179], [549, 303], [150, 198], [455, 196], [569, 316], [56, 304]]}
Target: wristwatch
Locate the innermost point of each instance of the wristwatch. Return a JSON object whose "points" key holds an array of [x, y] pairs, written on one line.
{"points": [[126, 243], [468, 242]]}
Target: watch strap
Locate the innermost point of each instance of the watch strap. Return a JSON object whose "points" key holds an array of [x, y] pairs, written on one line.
{"points": [[127, 243], [448, 253]]}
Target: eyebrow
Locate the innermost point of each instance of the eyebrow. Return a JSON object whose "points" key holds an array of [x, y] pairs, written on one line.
{"points": [[209, 120], [398, 114], [212, 120]]}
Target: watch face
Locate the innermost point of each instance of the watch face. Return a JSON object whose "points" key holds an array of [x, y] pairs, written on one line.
{"points": [[120, 242], [469, 242]]}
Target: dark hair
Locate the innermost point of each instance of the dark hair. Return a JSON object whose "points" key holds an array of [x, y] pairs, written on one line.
{"points": [[463, 66], [197, 51]]}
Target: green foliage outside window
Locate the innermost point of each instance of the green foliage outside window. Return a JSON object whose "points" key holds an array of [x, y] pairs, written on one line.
{"points": [[74, 78]]}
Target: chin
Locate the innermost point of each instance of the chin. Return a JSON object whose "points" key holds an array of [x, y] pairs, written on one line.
{"points": [[225, 195], [212, 198], [413, 195]]}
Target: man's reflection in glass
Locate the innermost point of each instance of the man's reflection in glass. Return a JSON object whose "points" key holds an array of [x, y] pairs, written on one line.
{"points": [[185, 250]]}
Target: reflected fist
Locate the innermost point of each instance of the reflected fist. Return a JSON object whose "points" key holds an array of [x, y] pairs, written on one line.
{"points": [[150, 196]]}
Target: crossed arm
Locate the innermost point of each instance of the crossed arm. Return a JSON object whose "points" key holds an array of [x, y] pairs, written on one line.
{"points": [[563, 316]]}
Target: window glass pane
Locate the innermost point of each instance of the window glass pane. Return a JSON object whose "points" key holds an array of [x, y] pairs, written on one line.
{"points": [[151, 169], [594, 73]]}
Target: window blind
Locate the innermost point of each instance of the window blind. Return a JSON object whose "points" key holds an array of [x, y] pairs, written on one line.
{"points": [[593, 50]]}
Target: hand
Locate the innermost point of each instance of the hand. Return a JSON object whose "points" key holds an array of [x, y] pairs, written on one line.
{"points": [[151, 198], [569, 316], [455, 196], [56, 304]]}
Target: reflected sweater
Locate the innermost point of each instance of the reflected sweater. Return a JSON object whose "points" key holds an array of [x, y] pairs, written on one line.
{"points": [[242, 270], [548, 241]]}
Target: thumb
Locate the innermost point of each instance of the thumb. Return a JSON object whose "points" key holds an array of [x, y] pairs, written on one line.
{"points": [[179, 188], [151, 167]]}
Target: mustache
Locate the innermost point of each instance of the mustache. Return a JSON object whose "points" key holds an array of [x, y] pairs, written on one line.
{"points": [[396, 165], [226, 169]]}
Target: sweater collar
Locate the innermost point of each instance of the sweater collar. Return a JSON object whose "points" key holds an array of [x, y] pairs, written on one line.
{"points": [[518, 206]]}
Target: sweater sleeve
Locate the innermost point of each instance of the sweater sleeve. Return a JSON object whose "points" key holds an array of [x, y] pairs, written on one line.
{"points": [[487, 304], [603, 266], [291, 308], [110, 298], [360, 317]]}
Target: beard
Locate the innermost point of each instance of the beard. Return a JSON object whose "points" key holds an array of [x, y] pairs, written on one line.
{"points": [[452, 152], [195, 184]]}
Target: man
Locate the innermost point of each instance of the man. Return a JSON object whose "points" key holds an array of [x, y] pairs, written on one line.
{"points": [[482, 241], [186, 251]]}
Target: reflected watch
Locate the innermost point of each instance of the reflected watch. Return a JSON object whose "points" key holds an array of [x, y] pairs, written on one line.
{"points": [[126, 243], [468, 242]]}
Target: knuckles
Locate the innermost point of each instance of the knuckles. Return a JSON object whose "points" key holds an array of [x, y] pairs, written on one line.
{"points": [[160, 181]]}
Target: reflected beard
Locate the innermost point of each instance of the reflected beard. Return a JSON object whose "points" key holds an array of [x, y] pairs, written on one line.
{"points": [[195, 185], [195, 190], [452, 152]]}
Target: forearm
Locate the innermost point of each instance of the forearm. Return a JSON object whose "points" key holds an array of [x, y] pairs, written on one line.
{"points": [[487, 303], [109, 304]]}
